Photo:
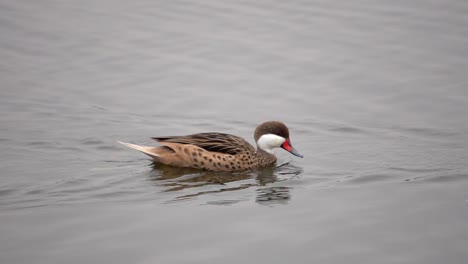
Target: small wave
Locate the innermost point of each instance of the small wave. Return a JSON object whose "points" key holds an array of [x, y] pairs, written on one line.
{"points": [[39, 143], [109, 148], [443, 178], [375, 178], [5, 192], [352, 130], [418, 170], [92, 142]]}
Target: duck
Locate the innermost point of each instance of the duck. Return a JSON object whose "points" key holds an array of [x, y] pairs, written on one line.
{"points": [[220, 152]]}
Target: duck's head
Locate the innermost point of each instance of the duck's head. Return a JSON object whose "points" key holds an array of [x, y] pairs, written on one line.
{"points": [[274, 134]]}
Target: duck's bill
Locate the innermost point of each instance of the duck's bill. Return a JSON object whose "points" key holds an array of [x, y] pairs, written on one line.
{"points": [[289, 148]]}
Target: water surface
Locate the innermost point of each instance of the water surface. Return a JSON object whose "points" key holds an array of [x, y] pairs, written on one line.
{"points": [[374, 92]]}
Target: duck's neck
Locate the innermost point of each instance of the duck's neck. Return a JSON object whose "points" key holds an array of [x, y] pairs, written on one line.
{"points": [[264, 158]]}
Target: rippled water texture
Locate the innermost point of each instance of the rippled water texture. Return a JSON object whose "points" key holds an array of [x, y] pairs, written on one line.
{"points": [[375, 94]]}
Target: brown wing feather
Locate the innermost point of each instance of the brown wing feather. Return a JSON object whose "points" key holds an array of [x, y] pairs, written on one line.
{"points": [[212, 141]]}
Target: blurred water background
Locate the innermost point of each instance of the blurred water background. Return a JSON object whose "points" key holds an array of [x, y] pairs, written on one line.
{"points": [[375, 94]]}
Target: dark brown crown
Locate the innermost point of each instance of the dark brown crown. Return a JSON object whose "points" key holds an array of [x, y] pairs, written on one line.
{"points": [[271, 127]]}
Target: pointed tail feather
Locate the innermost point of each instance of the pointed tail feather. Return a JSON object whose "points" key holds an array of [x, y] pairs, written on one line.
{"points": [[150, 151]]}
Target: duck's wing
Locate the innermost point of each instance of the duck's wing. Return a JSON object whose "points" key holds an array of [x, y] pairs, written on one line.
{"points": [[212, 141]]}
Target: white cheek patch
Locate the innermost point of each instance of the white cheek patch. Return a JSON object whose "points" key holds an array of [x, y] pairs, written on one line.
{"points": [[268, 142]]}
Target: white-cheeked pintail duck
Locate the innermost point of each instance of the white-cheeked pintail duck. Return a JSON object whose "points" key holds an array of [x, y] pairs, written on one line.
{"points": [[221, 152]]}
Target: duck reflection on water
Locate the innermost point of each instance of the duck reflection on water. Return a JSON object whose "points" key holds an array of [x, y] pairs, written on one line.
{"points": [[184, 180]]}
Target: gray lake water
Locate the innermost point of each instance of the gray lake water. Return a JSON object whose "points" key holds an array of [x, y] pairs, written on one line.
{"points": [[375, 94]]}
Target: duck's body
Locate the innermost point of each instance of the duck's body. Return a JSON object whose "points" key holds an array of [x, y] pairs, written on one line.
{"points": [[221, 152]]}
